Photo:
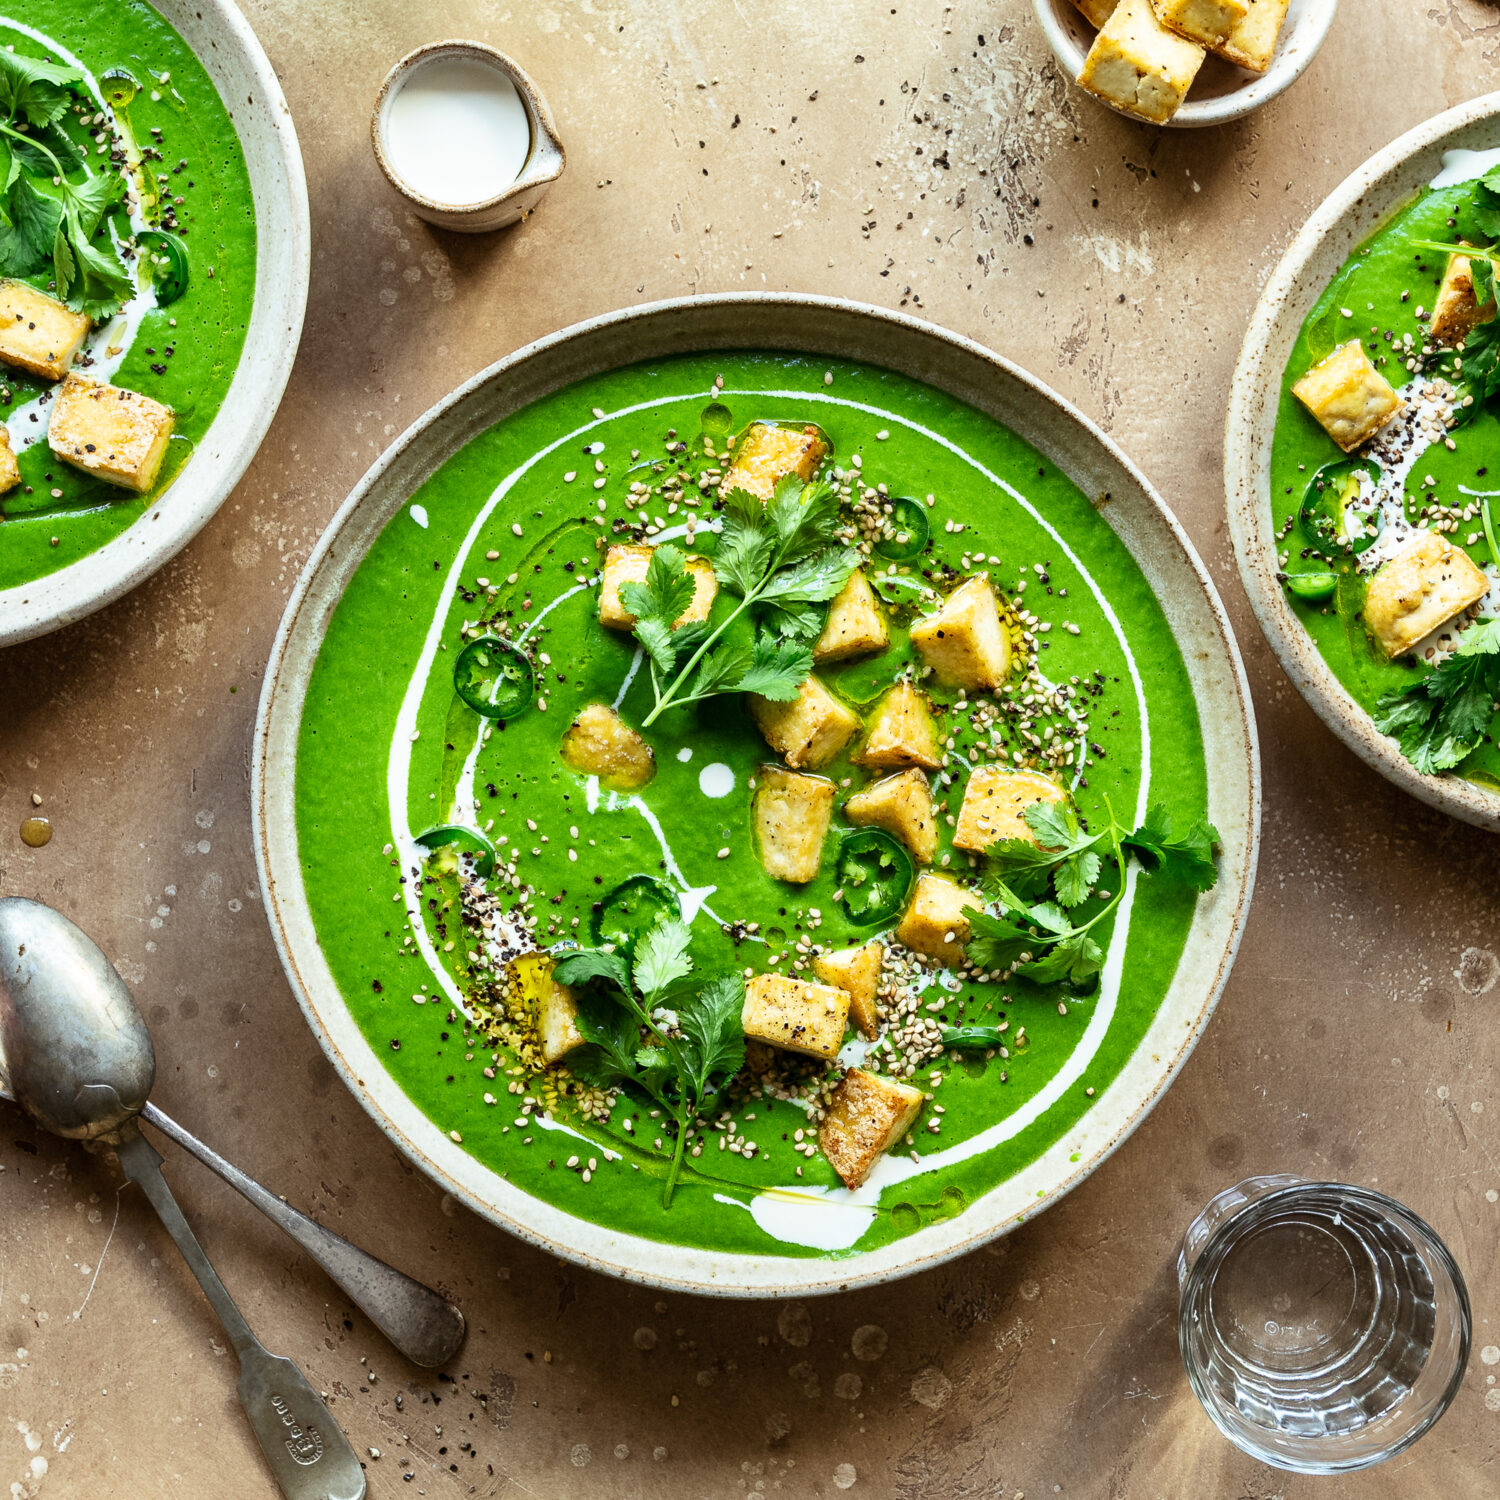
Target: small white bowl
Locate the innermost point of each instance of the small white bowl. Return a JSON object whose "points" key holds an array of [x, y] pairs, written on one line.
{"points": [[1221, 92], [544, 163]]}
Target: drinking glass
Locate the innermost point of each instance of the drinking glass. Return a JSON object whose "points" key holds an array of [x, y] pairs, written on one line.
{"points": [[1324, 1327]]}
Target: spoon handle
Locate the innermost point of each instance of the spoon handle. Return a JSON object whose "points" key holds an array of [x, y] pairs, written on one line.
{"points": [[423, 1326], [308, 1453]]}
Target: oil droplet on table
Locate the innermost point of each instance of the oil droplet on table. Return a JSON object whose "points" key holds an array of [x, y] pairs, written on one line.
{"points": [[35, 832]]}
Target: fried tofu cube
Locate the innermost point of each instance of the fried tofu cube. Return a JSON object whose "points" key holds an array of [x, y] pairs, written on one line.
{"points": [[37, 333], [902, 805], [901, 733], [855, 625], [966, 642], [1350, 398], [600, 743], [1253, 42], [10, 470], [1096, 12], [1139, 66], [1426, 584], [935, 922], [995, 803], [795, 1015], [553, 1006], [768, 452], [791, 821], [856, 971], [810, 730], [109, 432], [629, 564], [867, 1115], [1207, 22], [1457, 312]]}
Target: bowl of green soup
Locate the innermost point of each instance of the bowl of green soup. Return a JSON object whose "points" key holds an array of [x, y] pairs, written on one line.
{"points": [[755, 794], [1362, 462], [152, 284]]}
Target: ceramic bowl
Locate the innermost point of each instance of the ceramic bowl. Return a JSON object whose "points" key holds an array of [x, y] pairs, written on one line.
{"points": [[1221, 92], [544, 164], [1352, 212], [242, 73], [805, 326]]}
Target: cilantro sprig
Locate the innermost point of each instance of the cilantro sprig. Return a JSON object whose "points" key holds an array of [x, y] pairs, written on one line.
{"points": [[47, 221], [682, 1063], [1040, 888], [780, 557], [1441, 719]]}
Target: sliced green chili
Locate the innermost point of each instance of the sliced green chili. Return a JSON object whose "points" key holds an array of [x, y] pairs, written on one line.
{"points": [[461, 840], [494, 677], [1311, 586], [973, 1038], [165, 260], [910, 530], [632, 909], [1336, 518], [874, 874]]}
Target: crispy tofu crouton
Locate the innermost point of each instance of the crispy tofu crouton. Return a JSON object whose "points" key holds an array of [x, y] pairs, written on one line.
{"points": [[1139, 66], [809, 730], [1096, 12], [553, 1006], [901, 733], [856, 971], [966, 642], [1457, 313], [1253, 42], [767, 453], [109, 432], [10, 470], [1207, 22], [791, 821], [628, 564], [995, 803], [1350, 398], [600, 743], [935, 921], [902, 805], [1423, 586], [37, 333], [795, 1015], [866, 1116], [855, 625]]}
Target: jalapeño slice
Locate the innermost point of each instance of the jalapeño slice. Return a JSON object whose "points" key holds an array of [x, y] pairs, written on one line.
{"points": [[494, 678], [164, 259], [632, 909], [909, 531], [1337, 519], [456, 838], [874, 874], [1311, 586]]}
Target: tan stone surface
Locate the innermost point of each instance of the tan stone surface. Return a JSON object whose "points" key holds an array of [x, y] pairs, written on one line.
{"points": [[1356, 1039]]}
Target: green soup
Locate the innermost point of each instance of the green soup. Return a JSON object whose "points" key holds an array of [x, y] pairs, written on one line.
{"points": [[515, 526], [182, 353], [1383, 296]]}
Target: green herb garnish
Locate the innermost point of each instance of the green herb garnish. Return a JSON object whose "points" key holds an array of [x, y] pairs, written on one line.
{"points": [[1442, 719], [1038, 937], [682, 1061], [47, 222], [782, 556]]}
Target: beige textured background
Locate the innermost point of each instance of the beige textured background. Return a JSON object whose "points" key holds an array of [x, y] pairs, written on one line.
{"points": [[1357, 1038]]}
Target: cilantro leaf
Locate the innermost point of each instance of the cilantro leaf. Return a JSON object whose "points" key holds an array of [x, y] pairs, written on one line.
{"points": [[1482, 273], [27, 240], [1484, 204], [745, 543], [1443, 718], [658, 601], [1075, 960], [661, 958], [803, 518], [579, 965], [711, 1026], [1188, 855], [998, 942], [1061, 851], [1076, 876], [777, 669], [812, 579], [32, 89], [802, 622]]}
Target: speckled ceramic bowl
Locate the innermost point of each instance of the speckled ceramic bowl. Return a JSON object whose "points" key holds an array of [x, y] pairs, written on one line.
{"points": [[1350, 214], [967, 371], [241, 71], [1221, 92]]}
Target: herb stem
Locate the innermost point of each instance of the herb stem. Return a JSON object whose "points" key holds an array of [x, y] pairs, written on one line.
{"points": [[677, 1155], [1489, 528], [669, 698]]}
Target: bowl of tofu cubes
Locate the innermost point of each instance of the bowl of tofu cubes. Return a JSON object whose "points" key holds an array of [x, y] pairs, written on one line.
{"points": [[1185, 62], [146, 330], [1362, 462]]}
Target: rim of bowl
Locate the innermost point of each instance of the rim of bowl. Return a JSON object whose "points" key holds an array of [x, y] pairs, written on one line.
{"points": [[543, 129], [282, 272], [1295, 50], [1370, 193], [1153, 1067]]}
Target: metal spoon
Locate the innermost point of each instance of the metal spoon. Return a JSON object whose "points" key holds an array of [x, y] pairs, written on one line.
{"points": [[76, 1055]]}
